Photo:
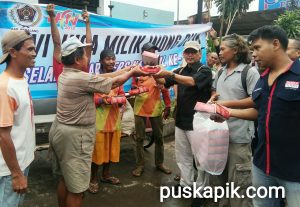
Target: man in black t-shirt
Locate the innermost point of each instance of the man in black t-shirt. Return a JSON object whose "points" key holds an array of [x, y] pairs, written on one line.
{"points": [[194, 84]]}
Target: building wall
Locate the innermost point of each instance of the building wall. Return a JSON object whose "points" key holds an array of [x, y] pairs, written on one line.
{"points": [[141, 14]]}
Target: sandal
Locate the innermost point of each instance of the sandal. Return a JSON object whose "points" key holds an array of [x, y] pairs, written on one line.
{"points": [[163, 169], [110, 180], [93, 188], [137, 172]]}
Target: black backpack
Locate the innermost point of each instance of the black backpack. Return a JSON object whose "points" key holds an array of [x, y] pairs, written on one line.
{"points": [[243, 77]]}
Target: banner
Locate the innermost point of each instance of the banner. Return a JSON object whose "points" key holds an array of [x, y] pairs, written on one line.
{"points": [[126, 38], [275, 4]]}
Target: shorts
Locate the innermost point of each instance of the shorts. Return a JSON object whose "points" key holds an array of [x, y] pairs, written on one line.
{"points": [[72, 147]]}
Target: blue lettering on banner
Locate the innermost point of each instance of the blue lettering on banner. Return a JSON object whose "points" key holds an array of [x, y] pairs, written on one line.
{"points": [[38, 75], [126, 38]]}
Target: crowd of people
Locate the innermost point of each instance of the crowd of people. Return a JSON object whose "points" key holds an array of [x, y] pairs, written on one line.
{"points": [[257, 81]]}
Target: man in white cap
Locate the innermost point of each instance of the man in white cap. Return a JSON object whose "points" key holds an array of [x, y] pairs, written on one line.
{"points": [[194, 84], [17, 140], [72, 134]]}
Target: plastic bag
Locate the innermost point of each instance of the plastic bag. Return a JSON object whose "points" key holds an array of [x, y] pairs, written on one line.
{"points": [[209, 141], [127, 122]]}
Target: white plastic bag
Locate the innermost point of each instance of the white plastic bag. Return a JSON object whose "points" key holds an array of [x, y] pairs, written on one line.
{"points": [[209, 141], [127, 122]]}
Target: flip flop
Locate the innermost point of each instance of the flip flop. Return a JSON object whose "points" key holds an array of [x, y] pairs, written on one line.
{"points": [[110, 180], [93, 188], [163, 169], [137, 172]]}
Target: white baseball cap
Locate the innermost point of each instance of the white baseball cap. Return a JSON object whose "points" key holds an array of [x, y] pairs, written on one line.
{"points": [[192, 44], [71, 45]]}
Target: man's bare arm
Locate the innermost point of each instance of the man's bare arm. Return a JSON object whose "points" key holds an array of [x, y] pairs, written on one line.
{"points": [[116, 73], [19, 181], [247, 114], [125, 75], [55, 33], [180, 79], [184, 80], [86, 17], [238, 104]]}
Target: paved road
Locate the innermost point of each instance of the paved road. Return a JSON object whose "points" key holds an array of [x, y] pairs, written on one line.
{"points": [[143, 191]]}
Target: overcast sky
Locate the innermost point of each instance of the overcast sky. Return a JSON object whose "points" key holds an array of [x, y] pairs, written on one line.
{"points": [[186, 7]]}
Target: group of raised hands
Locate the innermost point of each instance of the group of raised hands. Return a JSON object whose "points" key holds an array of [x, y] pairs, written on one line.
{"points": [[51, 7]]}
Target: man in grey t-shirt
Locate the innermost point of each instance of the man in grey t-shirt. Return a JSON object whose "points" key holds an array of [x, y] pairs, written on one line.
{"points": [[229, 88], [233, 88]]}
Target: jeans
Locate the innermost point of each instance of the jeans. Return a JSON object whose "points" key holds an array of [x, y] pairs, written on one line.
{"points": [[292, 190], [8, 198]]}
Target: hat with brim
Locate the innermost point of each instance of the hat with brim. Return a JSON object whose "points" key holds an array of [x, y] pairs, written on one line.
{"points": [[3, 57], [71, 45], [192, 45], [11, 39]]}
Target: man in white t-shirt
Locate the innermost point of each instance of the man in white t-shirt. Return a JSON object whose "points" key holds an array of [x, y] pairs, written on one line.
{"points": [[17, 140]]}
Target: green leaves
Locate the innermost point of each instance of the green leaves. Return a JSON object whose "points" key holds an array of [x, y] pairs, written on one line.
{"points": [[290, 22], [229, 10], [232, 6]]}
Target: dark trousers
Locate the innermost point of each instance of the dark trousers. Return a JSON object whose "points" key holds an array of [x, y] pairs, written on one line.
{"points": [[157, 132]]}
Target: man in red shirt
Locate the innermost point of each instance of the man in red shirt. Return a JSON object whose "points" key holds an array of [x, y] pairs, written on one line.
{"points": [[57, 65]]}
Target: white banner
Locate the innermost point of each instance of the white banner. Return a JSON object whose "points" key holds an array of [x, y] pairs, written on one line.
{"points": [[124, 37]]}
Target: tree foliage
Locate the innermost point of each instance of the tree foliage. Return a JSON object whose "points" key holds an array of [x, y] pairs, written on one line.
{"points": [[231, 6], [290, 22], [230, 9]]}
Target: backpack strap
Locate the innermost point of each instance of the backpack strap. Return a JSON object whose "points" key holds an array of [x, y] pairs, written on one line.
{"points": [[244, 77], [220, 72]]}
